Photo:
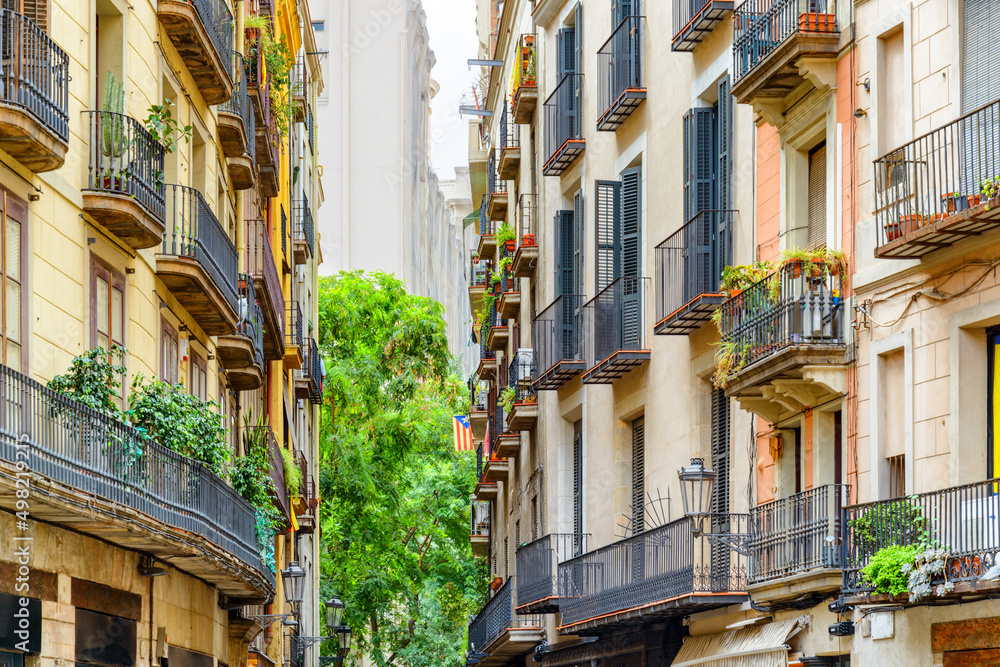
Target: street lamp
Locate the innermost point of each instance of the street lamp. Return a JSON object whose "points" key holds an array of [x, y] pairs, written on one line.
{"points": [[696, 492], [334, 613], [292, 580], [344, 639]]}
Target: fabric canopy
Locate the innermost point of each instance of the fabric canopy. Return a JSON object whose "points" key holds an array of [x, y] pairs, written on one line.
{"points": [[760, 646]]}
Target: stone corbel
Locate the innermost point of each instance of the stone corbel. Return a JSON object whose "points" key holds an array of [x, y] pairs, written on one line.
{"points": [[762, 407], [242, 632], [788, 401], [806, 392], [772, 111], [820, 72], [832, 378]]}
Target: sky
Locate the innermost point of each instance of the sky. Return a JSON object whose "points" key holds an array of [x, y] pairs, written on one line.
{"points": [[452, 28]]}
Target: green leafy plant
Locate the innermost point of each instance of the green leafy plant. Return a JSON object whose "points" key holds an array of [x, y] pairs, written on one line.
{"points": [[505, 233], [928, 567], [249, 478], [506, 398], [885, 571], [989, 188], [94, 379], [293, 473], [166, 129], [741, 276], [730, 358], [897, 522]]}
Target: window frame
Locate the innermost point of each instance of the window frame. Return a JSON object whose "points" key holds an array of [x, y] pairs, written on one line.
{"points": [[115, 280], [167, 331], [17, 209]]}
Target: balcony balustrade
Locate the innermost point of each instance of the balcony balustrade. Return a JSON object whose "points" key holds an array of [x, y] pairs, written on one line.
{"points": [[556, 333], [485, 489], [258, 86], [237, 131], [487, 231], [502, 442], [932, 192], [260, 265], [202, 31], [294, 343], [34, 94], [614, 330], [105, 479], [276, 469], [299, 86], [538, 570], [510, 145], [689, 271], [479, 528], [497, 631], [777, 43], [496, 206], [197, 261], [303, 238], [487, 357], [309, 378], [526, 255], [694, 20], [499, 329], [621, 86], [310, 129], [662, 572], [479, 391], [242, 353], [510, 289], [306, 502], [564, 140], [524, 91], [124, 190], [961, 521], [524, 409]]}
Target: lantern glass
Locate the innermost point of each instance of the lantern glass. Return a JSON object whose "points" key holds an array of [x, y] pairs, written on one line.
{"points": [[334, 613], [292, 581], [696, 488], [344, 637]]}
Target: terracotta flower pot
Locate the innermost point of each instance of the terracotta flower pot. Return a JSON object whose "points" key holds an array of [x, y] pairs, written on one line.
{"points": [[496, 583], [817, 22], [510, 245], [528, 239]]}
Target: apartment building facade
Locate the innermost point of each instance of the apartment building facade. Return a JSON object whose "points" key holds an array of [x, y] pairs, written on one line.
{"points": [[761, 233], [198, 255]]}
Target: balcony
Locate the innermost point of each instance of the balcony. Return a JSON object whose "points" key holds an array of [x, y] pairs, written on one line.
{"points": [[695, 20], [780, 44], [478, 271], [497, 631], [197, 261], [961, 520], [784, 342], [564, 140], [202, 33], [479, 528], [258, 86], [526, 255], [614, 331], [276, 469], [266, 147], [499, 331], [267, 285], [478, 159], [298, 84], [303, 241], [479, 392], [294, 344], [123, 191], [556, 333], [309, 378], [932, 192], [510, 290], [795, 545], [305, 503], [242, 353], [621, 87], [689, 271], [538, 570], [660, 573], [524, 92], [34, 95], [503, 444], [237, 132], [100, 477], [487, 233], [496, 205], [485, 489], [487, 357], [510, 145], [523, 412]]}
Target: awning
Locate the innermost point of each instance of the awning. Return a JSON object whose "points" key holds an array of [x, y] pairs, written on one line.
{"points": [[760, 646], [471, 218]]}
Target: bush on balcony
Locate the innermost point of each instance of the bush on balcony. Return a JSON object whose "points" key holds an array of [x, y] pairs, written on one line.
{"points": [[293, 473], [889, 569], [94, 379], [249, 477], [896, 522]]}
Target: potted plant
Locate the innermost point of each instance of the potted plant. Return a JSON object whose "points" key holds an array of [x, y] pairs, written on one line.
{"points": [[954, 202], [988, 190], [738, 277], [506, 398], [528, 239], [730, 358], [496, 583], [506, 236], [113, 142]]}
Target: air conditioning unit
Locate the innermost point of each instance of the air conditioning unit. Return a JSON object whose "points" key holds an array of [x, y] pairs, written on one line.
{"points": [[524, 363]]}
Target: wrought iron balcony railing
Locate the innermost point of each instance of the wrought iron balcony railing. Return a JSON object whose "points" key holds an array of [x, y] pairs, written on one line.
{"points": [[478, 272], [218, 23], [96, 455], [478, 392], [760, 26], [526, 212], [797, 534], [302, 213], [556, 333], [614, 329], [260, 264], [805, 309], [310, 128], [931, 192], [652, 567], [125, 159], [564, 125], [520, 375], [312, 370], [276, 468], [538, 569], [621, 86], [480, 519], [497, 184], [497, 617], [525, 72], [486, 226], [238, 103], [251, 321], [689, 271], [293, 332], [961, 520], [510, 132], [694, 20], [35, 72]]}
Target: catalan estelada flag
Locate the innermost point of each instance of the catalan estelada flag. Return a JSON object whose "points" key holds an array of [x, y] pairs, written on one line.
{"points": [[463, 434]]}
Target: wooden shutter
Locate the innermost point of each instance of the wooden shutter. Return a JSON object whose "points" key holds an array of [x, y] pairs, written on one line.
{"points": [[980, 54], [720, 492], [816, 232], [577, 485], [579, 218], [565, 52], [631, 223], [620, 10], [37, 11], [607, 258], [578, 38], [724, 143], [564, 249], [638, 475], [699, 161]]}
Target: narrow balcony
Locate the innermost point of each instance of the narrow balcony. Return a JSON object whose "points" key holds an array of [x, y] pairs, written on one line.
{"points": [[294, 344], [526, 255], [303, 240], [496, 205], [197, 261], [487, 357], [689, 271], [124, 190], [556, 333], [538, 570], [267, 285], [657, 574], [940, 188], [510, 289], [496, 630], [258, 86], [95, 475], [779, 45], [502, 444], [479, 528], [299, 86], [487, 233], [524, 92], [499, 329], [614, 331], [276, 469], [266, 149], [478, 159], [34, 95], [961, 521], [564, 140], [237, 131], [795, 545], [309, 378], [485, 489], [202, 33], [478, 272], [479, 392], [695, 20], [783, 346], [510, 145], [242, 353], [621, 86], [306, 502], [523, 413]]}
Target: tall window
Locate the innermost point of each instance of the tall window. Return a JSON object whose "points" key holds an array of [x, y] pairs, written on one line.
{"points": [[638, 475], [619, 224], [12, 333], [168, 352], [993, 392], [199, 376], [980, 54], [107, 302], [816, 235]]}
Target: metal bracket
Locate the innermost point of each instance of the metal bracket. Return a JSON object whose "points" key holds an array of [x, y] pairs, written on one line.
{"points": [[738, 542]]}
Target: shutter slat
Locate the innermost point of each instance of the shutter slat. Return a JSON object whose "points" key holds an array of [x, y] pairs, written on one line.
{"points": [[980, 54], [638, 475], [579, 213], [631, 222], [577, 480], [608, 235], [724, 172], [816, 232], [578, 38]]}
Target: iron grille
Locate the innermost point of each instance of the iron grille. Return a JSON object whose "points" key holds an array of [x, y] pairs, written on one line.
{"points": [[251, 321], [615, 320], [497, 617], [563, 110], [620, 66], [760, 26], [556, 334], [526, 211], [480, 519], [689, 262], [538, 566]]}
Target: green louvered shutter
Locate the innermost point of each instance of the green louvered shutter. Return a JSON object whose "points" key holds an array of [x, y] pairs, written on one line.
{"points": [[700, 159], [607, 209]]}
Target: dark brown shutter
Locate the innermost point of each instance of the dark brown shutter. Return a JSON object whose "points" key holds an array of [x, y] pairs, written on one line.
{"points": [[638, 475], [37, 11], [816, 234]]}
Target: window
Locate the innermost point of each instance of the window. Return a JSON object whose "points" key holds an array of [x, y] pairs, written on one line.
{"points": [[319, 26], [569, 52], [638, 475], [619, 223], [199, 377], [168, 352], [720, 464], [107, 305], [980, 53], [109, 641], [36, 10], [12, 333], [816, 235], [993, 403], [896, 466]]}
